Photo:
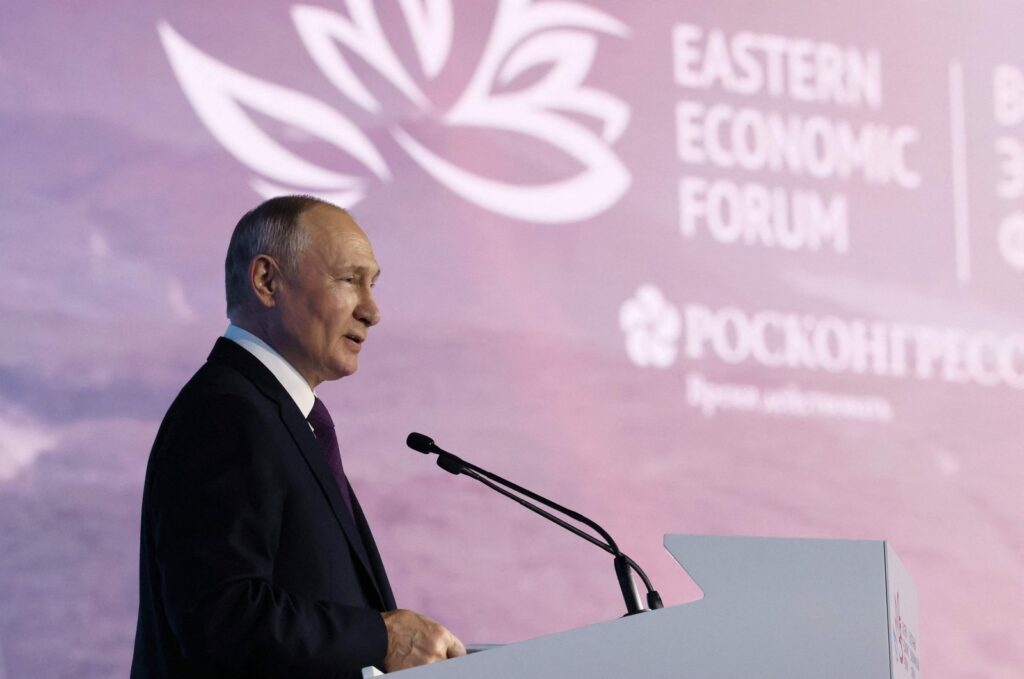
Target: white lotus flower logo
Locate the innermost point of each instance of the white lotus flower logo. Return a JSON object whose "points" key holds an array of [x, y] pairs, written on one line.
{"points": [[560, 35], [652, 326]]}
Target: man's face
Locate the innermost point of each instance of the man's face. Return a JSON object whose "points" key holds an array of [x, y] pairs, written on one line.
{"points": [[325, 307]]}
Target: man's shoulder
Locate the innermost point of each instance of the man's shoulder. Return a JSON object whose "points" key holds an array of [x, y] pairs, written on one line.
{"points": [[217, 389], [214, 377], [217, 407], [220, 418]]}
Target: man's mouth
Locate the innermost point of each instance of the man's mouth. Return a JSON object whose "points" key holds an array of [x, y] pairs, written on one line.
{"points": [[355, 338]]}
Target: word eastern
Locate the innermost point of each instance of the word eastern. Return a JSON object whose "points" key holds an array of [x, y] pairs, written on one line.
{"points": [[802, 70]]}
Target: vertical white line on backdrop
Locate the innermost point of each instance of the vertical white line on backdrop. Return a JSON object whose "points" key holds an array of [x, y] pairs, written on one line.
{"points": [[958, 146]]}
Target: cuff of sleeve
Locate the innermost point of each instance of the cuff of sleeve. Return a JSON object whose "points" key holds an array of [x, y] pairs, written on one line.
{"points": [[365, 645], [380, 641]]}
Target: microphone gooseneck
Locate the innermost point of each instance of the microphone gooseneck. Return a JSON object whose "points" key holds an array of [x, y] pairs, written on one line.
{"points": [[623, 564]]}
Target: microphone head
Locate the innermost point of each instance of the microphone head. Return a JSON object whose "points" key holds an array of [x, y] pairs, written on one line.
{"points": [[450, 464], [420, 442]]}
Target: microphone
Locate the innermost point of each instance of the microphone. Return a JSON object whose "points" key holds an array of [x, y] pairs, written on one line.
{"points": [[421, 442], [456, 465], [445, 460]]}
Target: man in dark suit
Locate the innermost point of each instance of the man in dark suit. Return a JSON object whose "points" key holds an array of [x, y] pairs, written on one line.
{"points": [[256, 559]]}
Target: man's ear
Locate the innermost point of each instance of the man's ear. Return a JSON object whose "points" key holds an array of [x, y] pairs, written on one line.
{"points": [[265, 279]]}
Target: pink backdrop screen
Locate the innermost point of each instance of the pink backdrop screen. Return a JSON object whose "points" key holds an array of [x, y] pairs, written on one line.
{"points": [[726, 268]]}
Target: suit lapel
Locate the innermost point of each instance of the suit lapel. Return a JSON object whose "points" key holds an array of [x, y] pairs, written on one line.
{"points": [[227, 352], [298, 427], [379, 575]]}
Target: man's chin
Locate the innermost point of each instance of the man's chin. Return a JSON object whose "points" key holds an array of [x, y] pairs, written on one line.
{"points": [[343, 370]]}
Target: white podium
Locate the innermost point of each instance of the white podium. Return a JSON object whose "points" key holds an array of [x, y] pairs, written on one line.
{"points": [[775, 608]]}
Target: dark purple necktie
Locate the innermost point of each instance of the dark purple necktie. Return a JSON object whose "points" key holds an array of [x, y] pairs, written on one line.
{"points": [[323, 428]]}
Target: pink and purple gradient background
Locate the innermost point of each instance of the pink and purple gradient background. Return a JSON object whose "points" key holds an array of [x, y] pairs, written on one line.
{"points": [[500, 338]]}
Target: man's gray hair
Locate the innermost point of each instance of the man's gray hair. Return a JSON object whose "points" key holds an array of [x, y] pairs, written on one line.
{"points": [[271, 228]]}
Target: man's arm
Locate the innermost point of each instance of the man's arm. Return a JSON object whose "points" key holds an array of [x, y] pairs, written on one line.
{"points": [[216, 507]]}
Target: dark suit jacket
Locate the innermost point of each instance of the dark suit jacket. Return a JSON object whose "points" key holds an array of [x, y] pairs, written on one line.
{"points": [[251, 564]]}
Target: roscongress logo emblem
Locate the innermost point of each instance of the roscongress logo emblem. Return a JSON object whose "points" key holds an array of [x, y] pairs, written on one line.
{"points": [[558, 38], [652, 326]]}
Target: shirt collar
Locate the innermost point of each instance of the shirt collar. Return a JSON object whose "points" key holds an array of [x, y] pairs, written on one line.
{"points": [[290, 378]]}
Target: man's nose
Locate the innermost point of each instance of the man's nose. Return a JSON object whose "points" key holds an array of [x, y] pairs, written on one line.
{"points": [[367, 312]]}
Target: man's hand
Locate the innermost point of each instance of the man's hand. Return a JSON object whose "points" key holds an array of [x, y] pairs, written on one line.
{"points": [[415, 639]]}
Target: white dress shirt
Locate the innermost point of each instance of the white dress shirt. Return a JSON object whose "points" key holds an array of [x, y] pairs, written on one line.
{"points": [[293, 382]]}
